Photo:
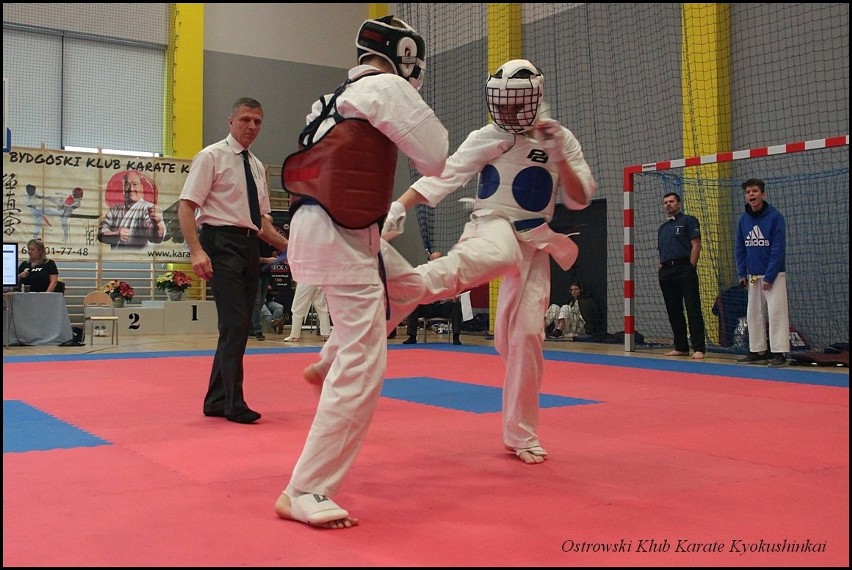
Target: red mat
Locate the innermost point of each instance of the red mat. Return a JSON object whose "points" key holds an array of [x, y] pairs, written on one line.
{"points": [[670, 469]]}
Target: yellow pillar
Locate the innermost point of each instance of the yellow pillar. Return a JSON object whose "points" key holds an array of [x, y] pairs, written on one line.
{"points": [[185, 81], [504, 34], [504, 31], [184, 97], [376, 10], [706, 90]]}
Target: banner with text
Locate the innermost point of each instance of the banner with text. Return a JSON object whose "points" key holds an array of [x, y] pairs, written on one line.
{"points": [[94, 206]]}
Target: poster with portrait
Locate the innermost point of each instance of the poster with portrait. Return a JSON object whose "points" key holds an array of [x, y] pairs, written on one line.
{"points": [[94, 206]]}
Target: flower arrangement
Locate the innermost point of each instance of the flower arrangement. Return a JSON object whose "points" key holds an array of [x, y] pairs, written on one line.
{"points": [[174, 281], [117, 289]]}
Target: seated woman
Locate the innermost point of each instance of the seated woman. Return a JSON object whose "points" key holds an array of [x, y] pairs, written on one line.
{"points": [[38, 272], [579, 317]]}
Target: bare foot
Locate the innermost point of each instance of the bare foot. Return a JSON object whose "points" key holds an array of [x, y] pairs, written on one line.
{"points": [[313, 377], [676, 353], [697, 355], [529, 456], [284, 509]]}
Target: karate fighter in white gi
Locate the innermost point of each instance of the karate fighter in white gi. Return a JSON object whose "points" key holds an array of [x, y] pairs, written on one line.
{"points": [[522, 160], [341, 184]]}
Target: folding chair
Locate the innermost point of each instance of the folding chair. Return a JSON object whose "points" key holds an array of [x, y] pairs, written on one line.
{"points": [[430, 322], [103, 312]]}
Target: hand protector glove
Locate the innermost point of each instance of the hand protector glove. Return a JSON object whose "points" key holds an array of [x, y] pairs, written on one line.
{"points": [[395, 222], [552, 138]]}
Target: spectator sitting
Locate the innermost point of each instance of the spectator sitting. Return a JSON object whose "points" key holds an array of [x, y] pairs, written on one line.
{"points": [[579, 317], [446, 309], [268, 256], [271, 311]]}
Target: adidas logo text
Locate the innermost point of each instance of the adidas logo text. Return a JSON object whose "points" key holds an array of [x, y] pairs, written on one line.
{"points": [[755, 238]]}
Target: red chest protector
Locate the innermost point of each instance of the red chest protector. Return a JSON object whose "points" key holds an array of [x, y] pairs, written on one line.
{"points": [[349, 172]]}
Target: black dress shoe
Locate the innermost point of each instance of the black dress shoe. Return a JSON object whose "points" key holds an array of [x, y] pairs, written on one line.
{"points": [[215, 414], [410, 340], [456, 341], [246, 417]]}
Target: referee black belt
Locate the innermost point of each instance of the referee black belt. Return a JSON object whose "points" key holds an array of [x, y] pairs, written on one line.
{"points": [[236, 230], [681, 261]]}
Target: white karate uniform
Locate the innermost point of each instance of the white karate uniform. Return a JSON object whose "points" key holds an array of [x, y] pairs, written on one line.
{"points": [[553, 313], [344, 263], [772, 306], [305, 296], [518, 182]]}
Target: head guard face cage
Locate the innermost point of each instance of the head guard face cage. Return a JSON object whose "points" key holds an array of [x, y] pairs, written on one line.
{"points": [[395, 41], [514, 94]]}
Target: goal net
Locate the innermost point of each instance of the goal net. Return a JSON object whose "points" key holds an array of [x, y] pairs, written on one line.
{"points": [[808, 182], [636, 83]]}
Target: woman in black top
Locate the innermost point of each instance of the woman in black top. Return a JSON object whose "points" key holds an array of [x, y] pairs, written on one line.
{"points": [[39, 272]]}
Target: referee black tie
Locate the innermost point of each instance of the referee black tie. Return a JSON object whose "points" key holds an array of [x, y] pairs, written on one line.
{"points": [[254, 204]]}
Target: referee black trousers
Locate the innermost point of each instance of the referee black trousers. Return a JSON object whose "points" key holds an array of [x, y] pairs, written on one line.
{"points": [[235, 279], [679, 284]]}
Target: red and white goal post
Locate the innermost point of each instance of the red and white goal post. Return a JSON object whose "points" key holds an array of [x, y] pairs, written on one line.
{"points": [[713, 197]]}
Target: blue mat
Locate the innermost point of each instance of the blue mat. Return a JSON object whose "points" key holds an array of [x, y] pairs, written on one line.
{"points": [[26, 428], [461, 396]]}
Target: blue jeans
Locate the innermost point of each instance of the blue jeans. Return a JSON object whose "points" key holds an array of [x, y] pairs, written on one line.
{"points": [[262, 288]]}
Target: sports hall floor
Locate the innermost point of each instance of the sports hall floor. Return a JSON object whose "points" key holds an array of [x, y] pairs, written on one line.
{"points": [[654, 461]]}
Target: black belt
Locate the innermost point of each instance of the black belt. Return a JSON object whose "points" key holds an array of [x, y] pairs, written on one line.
{"points": [[681, 261], [247, 232], [524, 225]]}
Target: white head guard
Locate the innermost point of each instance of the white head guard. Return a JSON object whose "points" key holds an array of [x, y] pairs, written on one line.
{"points": [[395, 41], [514, 94]]}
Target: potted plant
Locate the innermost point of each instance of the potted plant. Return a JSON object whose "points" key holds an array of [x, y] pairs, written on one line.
{"points": [[120, 292], [174, 283]]}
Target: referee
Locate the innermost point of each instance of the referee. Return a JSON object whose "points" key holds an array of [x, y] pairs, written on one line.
{"points": [[679, 246], [226, 195]]}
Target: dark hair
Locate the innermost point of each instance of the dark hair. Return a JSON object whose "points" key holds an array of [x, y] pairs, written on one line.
{"points": [[245, 102], [675, 194], [577, 284], [755, 182]]}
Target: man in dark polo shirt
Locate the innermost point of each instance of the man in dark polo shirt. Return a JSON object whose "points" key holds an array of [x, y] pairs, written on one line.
{"points": [[679, 246]]}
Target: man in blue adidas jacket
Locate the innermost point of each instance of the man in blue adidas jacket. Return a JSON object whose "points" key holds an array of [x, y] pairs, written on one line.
{"points": [[760, 252]]}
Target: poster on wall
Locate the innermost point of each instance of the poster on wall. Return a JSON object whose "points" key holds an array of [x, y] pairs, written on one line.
{"points": [[94, 206]]}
